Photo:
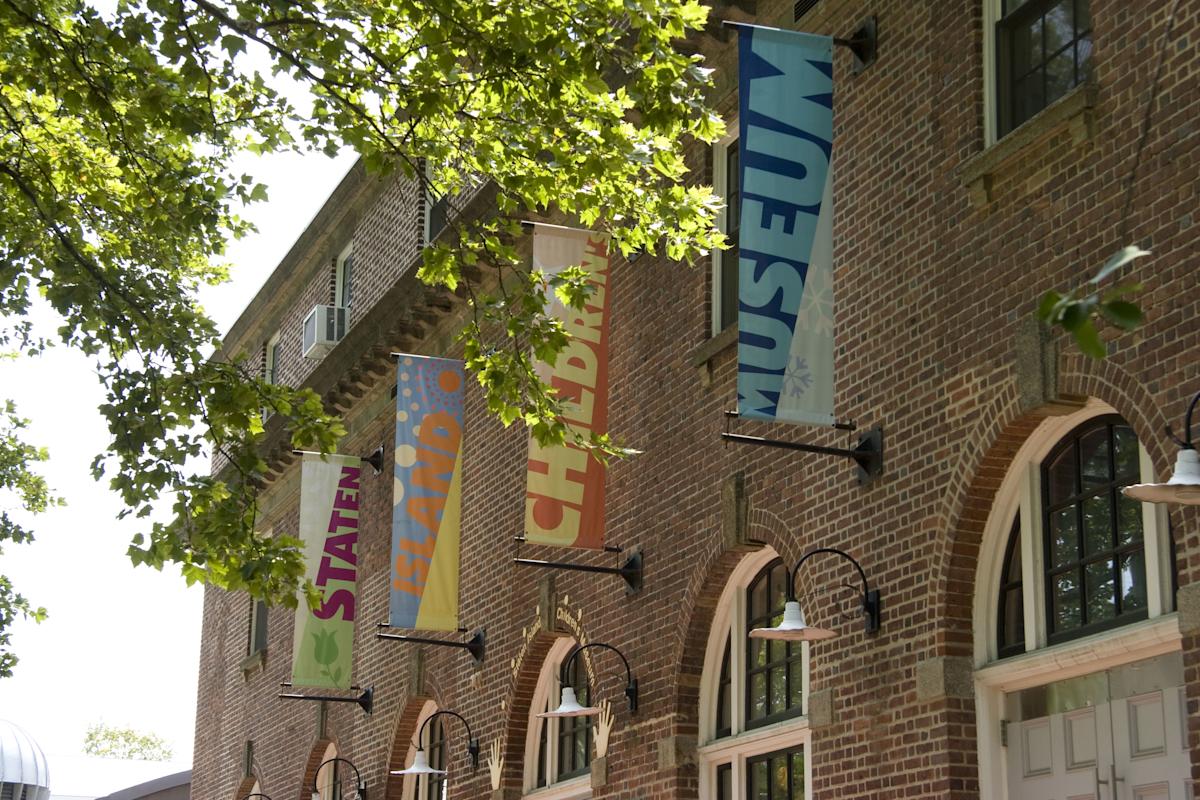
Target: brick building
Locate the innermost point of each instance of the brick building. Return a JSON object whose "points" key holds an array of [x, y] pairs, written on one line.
{"points": [[1040, 633]]}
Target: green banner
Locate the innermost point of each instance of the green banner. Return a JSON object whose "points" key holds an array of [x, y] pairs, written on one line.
{"points": [[324, 641]]}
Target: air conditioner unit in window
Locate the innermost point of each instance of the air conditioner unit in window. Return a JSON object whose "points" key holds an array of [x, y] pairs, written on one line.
{"points": [[323, 328]]}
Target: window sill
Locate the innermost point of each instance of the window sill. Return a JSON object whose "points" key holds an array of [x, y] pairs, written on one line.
{"points": [[1099, 651], [701, 357], [1074, 111], [580, 786], [255, 662], [775, 736]]}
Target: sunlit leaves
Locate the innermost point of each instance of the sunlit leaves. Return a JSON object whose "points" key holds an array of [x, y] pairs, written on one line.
{"points": [[1078, 311]]}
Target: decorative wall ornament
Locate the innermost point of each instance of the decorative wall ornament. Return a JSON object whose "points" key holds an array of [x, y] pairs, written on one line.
{"points": [[603, 729], [495, 763]]}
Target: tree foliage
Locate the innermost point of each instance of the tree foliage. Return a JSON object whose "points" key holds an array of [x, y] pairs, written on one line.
{"points": [[1078, 311], [117, 134], [109, 741]]}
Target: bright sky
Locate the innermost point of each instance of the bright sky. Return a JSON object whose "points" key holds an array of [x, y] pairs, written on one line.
{"points": [[121, 644]]}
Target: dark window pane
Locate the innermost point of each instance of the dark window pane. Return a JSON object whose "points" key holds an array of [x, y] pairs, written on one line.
{"points": [[1012, 570], [1101, 598], [1059, 26], [778, 591], [1014, 619], [796, 683], [1060, 480], [729, 284], [1093, 451], [1064, 539], [797, 776], [760, 782], [778, 649], [724, 697], [758, 653], [758, 695], [733, 218], [1129, 520], [725, 782], [758, 598], [1097, 525], [1125, 448], [1027, 47], [1083, 59], [778, 688], [1066, 601], [1133, 581], [779, 775], [1060, 77]]}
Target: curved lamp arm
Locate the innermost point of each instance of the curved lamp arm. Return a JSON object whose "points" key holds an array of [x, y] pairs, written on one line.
{"points": [[631, 685], [472, 742], [360, 783], [870, 597], [1186, 442], [255, 794]]}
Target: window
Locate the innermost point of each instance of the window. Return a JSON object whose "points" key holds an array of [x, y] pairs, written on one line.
{"points": [[726, 185], [1072, 587], [257, 640], [344, 277], [1043, 50], [431, 787], [271, 353], [329, 783], [558, 752], [754, 693]]}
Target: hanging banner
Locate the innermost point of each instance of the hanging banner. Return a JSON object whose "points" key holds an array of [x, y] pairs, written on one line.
{"points": [[785, 270], [427, 494], [564, 497], [324, 640]]}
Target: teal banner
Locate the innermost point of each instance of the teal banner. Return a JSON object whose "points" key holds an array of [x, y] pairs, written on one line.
{"points": [[785, 268]]}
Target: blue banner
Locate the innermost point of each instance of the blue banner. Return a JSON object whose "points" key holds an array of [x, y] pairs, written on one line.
{"points": [[785, 270]]}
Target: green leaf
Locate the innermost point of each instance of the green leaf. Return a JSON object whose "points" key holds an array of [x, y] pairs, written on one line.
{"points": [[1088, 339], [1118, 260], [1122, 313]]}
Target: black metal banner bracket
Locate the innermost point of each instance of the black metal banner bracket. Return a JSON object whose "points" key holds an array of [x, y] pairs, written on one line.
{"points": [[631, 571], [867, 453], [862, 44], [476, 645], [365, 701]]}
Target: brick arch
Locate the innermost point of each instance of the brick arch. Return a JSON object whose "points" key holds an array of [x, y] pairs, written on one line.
{"points": [[699, 606], [246, 786], [404, 733], [516, 715], [979, 473], [315, 756]]}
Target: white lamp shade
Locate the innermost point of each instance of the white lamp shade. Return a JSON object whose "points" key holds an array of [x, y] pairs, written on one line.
{"points": [[420, 766], [1183, 487], [569, 707], [792, 627]]}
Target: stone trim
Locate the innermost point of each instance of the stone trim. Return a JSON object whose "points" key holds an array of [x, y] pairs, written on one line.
{"points": [[1074, 111]]}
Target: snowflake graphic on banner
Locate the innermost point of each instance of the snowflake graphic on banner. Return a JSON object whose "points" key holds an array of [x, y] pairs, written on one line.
{"points": [[816, 309], [797, 378]]}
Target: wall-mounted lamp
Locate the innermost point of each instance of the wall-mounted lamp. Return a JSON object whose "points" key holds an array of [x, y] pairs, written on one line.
{"points": [[794, 629], [1184, 485], [359, 784], [569, 704], [253, 795], [420, 765]]}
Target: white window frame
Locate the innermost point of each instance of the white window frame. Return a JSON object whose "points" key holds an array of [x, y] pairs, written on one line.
{"points": [[339, 281], [548, 691], [729, 630], [1020, 493], [992, 12], [720, 154], [255, 622]]}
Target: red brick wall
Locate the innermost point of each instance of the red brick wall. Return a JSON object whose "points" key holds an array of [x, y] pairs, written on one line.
{"points": [[932, 292]]}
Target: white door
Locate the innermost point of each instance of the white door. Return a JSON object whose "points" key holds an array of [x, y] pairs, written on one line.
{"points": [[1113, 735]]}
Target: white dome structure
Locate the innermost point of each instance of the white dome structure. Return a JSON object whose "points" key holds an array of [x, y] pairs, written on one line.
{"points": [[24, 774]]}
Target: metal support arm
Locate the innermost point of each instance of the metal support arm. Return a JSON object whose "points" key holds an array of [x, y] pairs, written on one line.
{"points": [[631, 684], [870, 597], [476, 645], [472, 742]]}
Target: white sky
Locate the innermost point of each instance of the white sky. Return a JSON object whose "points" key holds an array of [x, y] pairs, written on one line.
{"points": [[121, 644]]}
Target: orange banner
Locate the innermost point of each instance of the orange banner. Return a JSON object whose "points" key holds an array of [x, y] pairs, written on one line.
{"points": [[564, 497]]}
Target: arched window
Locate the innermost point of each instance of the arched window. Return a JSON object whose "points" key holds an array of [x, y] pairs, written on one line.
{"points": [[433, 742], [1074, 590], [754, 693], [329, 784], [558, 753]]}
